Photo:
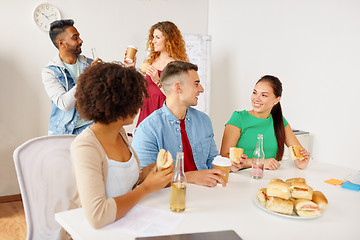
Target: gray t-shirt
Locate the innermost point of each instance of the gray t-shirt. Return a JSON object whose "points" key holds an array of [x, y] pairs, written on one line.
{"points": [[75, 71]]}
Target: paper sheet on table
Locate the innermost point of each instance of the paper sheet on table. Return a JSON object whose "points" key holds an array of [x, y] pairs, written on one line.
{"points": [[334, 181], [354, 177], [146, 221]]}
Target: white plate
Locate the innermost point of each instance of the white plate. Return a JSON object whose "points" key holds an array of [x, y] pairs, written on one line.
{"points": [[294, 215]]}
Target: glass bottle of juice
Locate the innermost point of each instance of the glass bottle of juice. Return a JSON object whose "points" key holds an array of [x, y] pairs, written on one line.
{"points": [[178, 186]]}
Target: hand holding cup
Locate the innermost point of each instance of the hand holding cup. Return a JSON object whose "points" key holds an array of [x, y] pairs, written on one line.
{"points": [[130, 53], [222, 164]]}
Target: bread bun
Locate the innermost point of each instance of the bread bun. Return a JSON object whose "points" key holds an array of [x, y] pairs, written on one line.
{"points": [[164, 160], [235, 154], [301, 190], [295, 153], [278, 188], [319, 198], [306, 208], [276, 180], [279, 205], [292, 180], [262, 196]]}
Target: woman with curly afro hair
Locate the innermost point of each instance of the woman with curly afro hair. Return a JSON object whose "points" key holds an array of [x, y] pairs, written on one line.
{"points": [[165, 44], [109, 181]]}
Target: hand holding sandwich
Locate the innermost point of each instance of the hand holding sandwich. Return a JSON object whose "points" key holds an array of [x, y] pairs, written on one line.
{"points": [[301, 164], [299, 154], [237, 166], [156, 180]]}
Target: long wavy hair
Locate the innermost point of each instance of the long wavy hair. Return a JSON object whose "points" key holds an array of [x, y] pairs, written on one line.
{"points": [[174, 42], [277, 115]]}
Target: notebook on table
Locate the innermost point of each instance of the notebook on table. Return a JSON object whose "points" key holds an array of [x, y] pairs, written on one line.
{"points": [[223, 235]]}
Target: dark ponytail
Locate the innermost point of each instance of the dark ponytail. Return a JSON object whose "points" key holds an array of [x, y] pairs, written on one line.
{"points": [[279, 129], [277, 115]]}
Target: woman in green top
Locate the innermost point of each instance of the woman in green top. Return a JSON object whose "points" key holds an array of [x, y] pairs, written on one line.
{"points": [[265, 118]]}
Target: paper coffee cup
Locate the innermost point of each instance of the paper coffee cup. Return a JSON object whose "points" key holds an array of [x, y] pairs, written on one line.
{"points": [[235, 154], [222, 164], [130, 53]]}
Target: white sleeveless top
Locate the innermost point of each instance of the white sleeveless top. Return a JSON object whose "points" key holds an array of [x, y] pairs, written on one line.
{"points": [[121, 176]]}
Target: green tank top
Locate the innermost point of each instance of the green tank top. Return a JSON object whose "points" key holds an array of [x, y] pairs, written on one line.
{"points": [[250, 127]]}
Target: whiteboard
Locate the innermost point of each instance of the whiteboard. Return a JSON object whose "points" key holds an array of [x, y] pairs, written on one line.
{"points": [[198, 51]]}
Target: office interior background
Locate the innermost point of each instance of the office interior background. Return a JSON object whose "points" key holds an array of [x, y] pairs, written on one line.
{"points": [[313, 46]]}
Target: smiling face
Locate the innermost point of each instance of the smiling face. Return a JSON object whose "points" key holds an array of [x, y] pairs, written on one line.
{"points": [[158, 41], [191, 89], [70, 41], [263, 99]]}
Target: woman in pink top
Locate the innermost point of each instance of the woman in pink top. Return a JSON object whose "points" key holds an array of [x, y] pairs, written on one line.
{"points": [[165, 44]]}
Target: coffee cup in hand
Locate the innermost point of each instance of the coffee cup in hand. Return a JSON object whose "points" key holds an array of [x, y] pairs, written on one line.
{"points": [[130, 53], [222, 164]]}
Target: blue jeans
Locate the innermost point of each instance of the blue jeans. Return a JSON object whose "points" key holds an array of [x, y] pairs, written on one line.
{"points": [[78, 130]]}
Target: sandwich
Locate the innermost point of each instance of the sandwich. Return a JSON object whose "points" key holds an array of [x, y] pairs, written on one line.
{"points": [[276, 180], [292, 180], [295, 153], [262, 196], [235, 154], [301, 190], [279, 205], [306, 208], [164, 160], [278, 188], [319, 198]]}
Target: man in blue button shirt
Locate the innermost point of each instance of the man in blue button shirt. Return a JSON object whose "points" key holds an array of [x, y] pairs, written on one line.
{"points": [[162, 129]]}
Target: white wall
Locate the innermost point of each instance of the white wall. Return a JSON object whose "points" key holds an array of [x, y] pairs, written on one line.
{"points": [[109, 26], [312, 46]]}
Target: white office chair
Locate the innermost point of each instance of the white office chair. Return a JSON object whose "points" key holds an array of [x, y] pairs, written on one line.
{"points": [[44, 172]]}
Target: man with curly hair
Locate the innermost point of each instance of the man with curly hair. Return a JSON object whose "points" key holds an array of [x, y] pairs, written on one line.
{"points": [[177, 127]]}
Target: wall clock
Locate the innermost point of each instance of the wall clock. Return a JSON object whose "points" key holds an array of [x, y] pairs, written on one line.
{"points": [[45, 14]]}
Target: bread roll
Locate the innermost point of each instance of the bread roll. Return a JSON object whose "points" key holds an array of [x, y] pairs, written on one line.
{"points": [[319, 198], [292, 180], [295, 153], [276, 180], [279, 205], [164, 160], [306, 208], [278, 188], [262, 196], [301, 190], [235, 154]]}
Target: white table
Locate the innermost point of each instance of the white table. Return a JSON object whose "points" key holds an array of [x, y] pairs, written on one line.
{"points": [[232, 207]]}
